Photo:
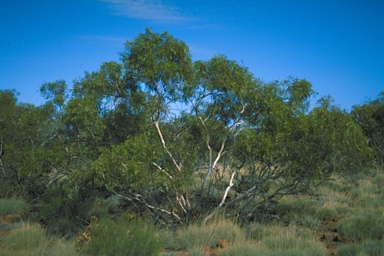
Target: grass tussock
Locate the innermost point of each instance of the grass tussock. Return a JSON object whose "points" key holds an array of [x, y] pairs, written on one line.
{"points": [[276, 240], [13, 206], [369, 248], [31, 239], [352, 211], [255, 237], [199, 236], [363, 225], [122, 237]]}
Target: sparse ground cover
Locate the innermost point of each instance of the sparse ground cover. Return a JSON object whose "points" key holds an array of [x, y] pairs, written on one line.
{"points": [[340, 218]]}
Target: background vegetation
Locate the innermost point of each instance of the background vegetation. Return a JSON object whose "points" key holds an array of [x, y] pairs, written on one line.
{"points": [[182, 144]]}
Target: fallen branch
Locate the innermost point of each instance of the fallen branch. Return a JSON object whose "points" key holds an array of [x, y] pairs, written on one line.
{"points": [[140, 199]]}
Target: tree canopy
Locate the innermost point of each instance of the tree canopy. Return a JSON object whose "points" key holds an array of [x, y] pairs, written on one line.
{"points": [[179, 138]]}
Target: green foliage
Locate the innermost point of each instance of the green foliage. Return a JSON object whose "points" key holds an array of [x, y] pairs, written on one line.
{"points": [[370, 117], [183, 139], [161, 62], [55, 92], [28, 150], [224, 91], [64, 215], [324, 142], [122, 237], [129, 167]]}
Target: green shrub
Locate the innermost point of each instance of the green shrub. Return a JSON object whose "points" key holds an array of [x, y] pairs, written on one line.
{"points": [[63, 227], [13, 206], [62, 214], [121, 237]]}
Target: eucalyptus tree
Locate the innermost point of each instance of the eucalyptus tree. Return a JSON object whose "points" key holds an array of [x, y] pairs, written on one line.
{"points": [[159, 67], [182, 138], [27, 148], [370, 117]]}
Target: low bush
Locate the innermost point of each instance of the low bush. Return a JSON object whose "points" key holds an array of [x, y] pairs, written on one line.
{"points": [[64, 215], [122, 237]]}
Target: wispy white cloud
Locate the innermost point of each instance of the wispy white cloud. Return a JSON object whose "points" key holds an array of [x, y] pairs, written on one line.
{"points": [[153, 10], [200, 52]]}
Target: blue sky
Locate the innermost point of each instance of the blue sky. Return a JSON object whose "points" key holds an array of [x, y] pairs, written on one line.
{"points": [[337, 45]]}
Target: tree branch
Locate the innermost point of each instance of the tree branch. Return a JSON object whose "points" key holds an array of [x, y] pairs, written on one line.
{"points": [[162, 170], [222, 207], [140, 199], [178, 167]]}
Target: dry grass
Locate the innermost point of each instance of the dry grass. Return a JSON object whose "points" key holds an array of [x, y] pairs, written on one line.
{"points": [[199, 236], [261, 238], [31, 239], [292, 239], [351, 212], [13, 206]]}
